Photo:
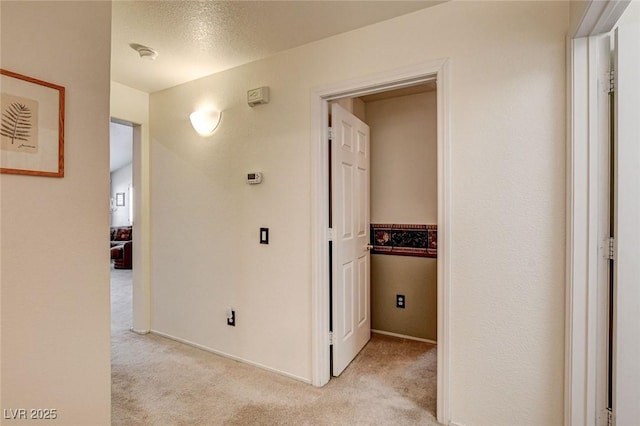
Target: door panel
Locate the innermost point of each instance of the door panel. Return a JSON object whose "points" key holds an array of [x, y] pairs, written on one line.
{"points": [[363, 282], [347, 302], [350, 199], [347, 202], [362, 226], [626, 327]]}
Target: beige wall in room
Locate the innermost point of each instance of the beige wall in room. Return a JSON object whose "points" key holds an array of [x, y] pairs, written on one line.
{"points": [[416, 279], [404, 190], [55, 350], [354, 105], [404, 172], [507, 67]]}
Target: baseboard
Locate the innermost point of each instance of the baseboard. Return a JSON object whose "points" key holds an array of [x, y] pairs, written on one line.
{"points": [[139, 331], [402, 336], [233, 357]]}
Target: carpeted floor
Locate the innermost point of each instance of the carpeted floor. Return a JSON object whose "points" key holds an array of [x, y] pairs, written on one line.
{"points": [[157, 381]]}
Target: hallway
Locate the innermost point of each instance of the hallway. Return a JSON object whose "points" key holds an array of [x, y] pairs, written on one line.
{"points": [[157, 381]]}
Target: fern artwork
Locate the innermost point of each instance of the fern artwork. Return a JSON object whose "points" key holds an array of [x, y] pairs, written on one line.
{"points": [[18, 124]]}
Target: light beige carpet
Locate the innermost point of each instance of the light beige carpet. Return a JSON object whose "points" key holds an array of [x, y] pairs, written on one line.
{"points": [[156, 381]]}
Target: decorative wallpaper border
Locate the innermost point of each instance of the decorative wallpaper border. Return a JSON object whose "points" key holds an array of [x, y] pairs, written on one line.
{"points": [[405, 240]]}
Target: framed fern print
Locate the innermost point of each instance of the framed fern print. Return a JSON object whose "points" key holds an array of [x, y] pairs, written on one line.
{"points": [[31, 126]]}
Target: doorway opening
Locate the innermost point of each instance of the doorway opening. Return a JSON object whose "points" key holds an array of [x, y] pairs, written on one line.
{"points": [[121, 140], [399, 244], [383, 213], [323, 235]]}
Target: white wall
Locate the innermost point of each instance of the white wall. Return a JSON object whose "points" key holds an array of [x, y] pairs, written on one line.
{"points": [[121, 181], [54, 250], [507, 62]]}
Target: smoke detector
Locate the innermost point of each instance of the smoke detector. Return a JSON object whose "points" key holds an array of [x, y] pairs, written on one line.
{"points": [[145, 52]]}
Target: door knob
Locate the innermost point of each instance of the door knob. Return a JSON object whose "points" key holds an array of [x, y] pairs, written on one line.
{"points": [[369, 247]]}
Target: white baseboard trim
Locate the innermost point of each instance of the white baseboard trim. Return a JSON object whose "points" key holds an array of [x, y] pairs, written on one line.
{"points": [[233, 357], [402, 336], [139, 331]]}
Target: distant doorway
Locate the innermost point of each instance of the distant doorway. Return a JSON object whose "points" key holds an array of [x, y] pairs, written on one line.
{"points": [[121, 203]]}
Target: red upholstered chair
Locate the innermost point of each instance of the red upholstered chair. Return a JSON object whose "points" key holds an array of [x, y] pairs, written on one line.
{"points": [[121, 247]]}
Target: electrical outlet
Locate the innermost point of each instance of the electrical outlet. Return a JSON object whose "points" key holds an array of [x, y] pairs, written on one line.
{"points": [[400, 301], [231, 318]]}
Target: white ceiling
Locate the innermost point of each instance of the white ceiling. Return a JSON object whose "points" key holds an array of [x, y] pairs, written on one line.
{"points": [[198, 38]]}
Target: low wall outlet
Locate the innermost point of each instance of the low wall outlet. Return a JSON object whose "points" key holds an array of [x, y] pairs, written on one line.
{"points": [[231, 317], [400, 301]]}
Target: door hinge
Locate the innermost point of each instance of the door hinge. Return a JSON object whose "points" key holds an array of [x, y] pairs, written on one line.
{"points": [[331, 338], [330, 234], [605, 418], [612, 243], [612, 81], [330, 133]]}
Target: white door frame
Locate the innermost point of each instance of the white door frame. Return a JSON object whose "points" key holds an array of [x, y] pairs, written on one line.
{"points": [[320, 303], [584, 282], [626, 346], [587, 234]]}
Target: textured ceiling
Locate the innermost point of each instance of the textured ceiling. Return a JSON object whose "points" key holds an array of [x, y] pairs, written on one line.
{"points": [[198, 38]]}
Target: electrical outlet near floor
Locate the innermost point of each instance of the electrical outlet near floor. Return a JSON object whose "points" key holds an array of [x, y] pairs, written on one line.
{"points": [[231, 318], [400, 301]]}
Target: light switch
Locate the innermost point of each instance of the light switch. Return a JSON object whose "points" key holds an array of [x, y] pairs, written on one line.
{"points": [[264, 235]]}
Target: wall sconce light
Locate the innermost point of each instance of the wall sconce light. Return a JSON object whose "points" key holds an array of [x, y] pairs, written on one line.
{"points": [[205, 122]]}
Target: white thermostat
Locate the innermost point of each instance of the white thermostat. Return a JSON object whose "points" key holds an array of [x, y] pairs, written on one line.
{"points": [[253, 178]]}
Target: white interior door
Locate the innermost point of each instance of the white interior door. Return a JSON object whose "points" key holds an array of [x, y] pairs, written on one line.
{"points": [[626, 324], [350, 158]]}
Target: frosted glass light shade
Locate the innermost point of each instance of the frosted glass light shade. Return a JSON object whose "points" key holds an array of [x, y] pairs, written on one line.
{"points": [[205, 122]]}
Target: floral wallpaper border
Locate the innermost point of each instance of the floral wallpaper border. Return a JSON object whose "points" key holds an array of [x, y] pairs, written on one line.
{"points": [[405, 240]]}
